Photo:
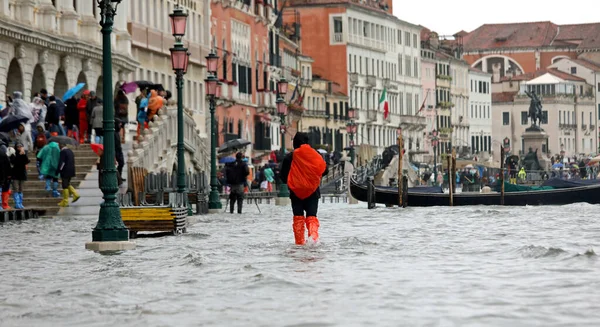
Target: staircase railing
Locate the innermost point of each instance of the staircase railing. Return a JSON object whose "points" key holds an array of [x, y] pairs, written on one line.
{"points": [[157, 147], [371, 169]]}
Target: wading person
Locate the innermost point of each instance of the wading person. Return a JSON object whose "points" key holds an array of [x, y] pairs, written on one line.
{"points": [[236, 174], [50, 156], [66, 168], [19, 174], [302, 170]]}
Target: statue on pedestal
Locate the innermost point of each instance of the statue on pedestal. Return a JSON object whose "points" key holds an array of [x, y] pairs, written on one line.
{"points": [[535, 111], [531, 162]]}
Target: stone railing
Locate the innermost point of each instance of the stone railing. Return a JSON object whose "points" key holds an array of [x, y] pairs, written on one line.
{"points": [[157, 148]]}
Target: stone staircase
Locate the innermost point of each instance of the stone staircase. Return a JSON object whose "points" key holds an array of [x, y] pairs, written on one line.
{"points": [[34, 195]]}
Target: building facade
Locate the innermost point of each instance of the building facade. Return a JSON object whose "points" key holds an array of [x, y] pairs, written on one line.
{"points": [[151, 39], [568, 106], [459, 98], [369, 53], [56, 44], [479, 113]]}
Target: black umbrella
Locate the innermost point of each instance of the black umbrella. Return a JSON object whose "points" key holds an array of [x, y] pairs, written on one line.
{"points": [[12, 122], [5, 137], [149, 85], [233, 145], [63, 140]]}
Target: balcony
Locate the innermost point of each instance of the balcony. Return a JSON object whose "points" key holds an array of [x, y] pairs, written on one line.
{"points": [[315, 113], [443, 81], [338, 37], [266, 100], [305, 81], [583, 127], [371, 115], [371, 81], [413, 123], [353, 78]]}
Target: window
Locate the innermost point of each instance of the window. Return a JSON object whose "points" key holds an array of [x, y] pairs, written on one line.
{"points": [[400, 42], [573, 70], [408, 70], [415, 40], [523, 117], [505, 118], [400, 72], [472, 116], [407, 38], [544, 119], [337, 25], [416, 63]]}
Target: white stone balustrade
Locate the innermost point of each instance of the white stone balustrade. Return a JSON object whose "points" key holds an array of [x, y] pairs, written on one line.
{"points": [[157, 148]]}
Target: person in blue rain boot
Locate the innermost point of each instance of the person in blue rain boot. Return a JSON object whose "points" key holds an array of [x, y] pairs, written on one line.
{"points": [[50, 156], [19, 174]]}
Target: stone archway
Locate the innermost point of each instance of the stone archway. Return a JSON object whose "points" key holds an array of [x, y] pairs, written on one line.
{"points": [[14, 80], [100, 87], [38, 81], [61, 84], [82, 79]]}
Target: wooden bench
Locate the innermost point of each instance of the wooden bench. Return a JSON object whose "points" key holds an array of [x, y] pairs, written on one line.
{"points": [[154, 219]]}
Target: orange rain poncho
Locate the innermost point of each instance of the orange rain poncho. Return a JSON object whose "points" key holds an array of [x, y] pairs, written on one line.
{"points": [[306, 171], [154, 104]]}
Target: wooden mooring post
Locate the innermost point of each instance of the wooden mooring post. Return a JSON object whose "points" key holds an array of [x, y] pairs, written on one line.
{"points": [[400, 179], [501, 175]]}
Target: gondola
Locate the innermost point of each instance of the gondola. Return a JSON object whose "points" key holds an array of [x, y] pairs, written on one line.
{"points": [[427, 198]]}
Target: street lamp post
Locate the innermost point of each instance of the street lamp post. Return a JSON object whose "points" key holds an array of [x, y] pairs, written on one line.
{"points": [[110, 233], [212, 89], [282, 110], [351, 130], [179, 60]]}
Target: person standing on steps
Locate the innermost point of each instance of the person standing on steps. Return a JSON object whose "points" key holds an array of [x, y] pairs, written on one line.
{"points": [[19, 174], [66, 169], [96, 120], [5, 168], [236, 178], [50, 156], [302, 170]]}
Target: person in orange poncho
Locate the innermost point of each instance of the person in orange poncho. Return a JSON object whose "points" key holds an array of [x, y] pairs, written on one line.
{"points": [[154, 104], [83, 118], [302, 171]]}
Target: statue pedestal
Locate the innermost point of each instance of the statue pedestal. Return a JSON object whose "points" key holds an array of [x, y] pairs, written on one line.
{"points": [[534, 137]]}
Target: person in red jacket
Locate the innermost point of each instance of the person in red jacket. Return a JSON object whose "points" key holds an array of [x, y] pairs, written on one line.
{"points": [[83, 118], [302, 171]]}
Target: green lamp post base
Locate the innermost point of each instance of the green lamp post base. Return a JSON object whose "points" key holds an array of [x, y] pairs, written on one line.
{"points": [[214, 202], [283, 197]]}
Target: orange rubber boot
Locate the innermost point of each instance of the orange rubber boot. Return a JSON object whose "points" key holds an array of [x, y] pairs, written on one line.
{"points": [[298, 226], [312, 224], [5, 196]]}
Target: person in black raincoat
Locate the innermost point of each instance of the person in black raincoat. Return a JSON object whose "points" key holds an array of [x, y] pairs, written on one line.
{"points": [[5, 169], [71, 116], [66, 169], [19, 174]]}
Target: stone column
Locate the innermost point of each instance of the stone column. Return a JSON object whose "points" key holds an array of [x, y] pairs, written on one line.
{"points": [[89, 24], [24, 11], [69, 18], [123, 39], [46, 15]]}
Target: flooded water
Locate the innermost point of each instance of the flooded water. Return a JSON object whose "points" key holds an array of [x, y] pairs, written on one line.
{"points": [[477, 266]]}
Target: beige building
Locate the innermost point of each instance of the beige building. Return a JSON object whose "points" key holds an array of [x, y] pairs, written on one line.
{"points": [[57, 44], [568, 113], [324, 117], [150, 28]]}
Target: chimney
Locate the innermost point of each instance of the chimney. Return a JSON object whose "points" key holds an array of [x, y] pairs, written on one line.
{"points": [[496, 72], [434, 40]]}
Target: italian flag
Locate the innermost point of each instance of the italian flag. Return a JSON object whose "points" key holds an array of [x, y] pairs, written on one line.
{"points": [[383, 101]]}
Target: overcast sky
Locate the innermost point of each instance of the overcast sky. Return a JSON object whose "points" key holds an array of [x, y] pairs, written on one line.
{"points": [[448, 17]]}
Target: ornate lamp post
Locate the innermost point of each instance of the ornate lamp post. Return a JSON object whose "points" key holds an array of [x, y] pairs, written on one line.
{"points": [[434, 144], [213, 90], [351, 130], [110, 234], [179, 61], [282, 109]]}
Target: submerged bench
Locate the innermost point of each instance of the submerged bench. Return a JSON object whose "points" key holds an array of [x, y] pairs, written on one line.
{"points": [[20, 214], [154, 219]]}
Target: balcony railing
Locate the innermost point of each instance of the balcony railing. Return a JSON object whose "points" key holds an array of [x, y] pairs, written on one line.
{"points": [[583, 127], [338, 37], [371, 80], [371, 115], [353, 78], [411, 122], [266, 99], [315, 113]]}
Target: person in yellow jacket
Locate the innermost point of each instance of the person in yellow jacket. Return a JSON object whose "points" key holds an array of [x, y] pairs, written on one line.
{"points": [[522, 174]]}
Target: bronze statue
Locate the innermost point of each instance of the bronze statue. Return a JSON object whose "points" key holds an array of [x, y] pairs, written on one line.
{"points": [[535, 109], [531, 162]]}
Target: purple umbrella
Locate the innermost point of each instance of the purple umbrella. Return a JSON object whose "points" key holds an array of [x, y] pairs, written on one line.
{"points": [[129, 87]]}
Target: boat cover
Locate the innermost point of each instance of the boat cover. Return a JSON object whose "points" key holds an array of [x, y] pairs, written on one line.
{"points": [[418, 189], [521, 188], [561, 183]]}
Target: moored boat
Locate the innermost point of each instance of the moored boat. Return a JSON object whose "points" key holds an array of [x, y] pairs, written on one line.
{"points": [[427, 197]]}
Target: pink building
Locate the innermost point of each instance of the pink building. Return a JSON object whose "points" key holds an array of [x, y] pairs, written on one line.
{"points": [[429, 112]]}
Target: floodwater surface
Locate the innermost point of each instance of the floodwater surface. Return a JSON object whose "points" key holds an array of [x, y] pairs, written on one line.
{"points": [[468, 266]]}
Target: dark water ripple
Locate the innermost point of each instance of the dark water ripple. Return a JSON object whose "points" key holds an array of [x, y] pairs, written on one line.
{"points": [[477, 266]]}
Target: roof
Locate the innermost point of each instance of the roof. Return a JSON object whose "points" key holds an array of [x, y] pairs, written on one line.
{"points": [[587, 64], [545, 79], [583, 36], [517, 35], [503, 97], [552, 71]]}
